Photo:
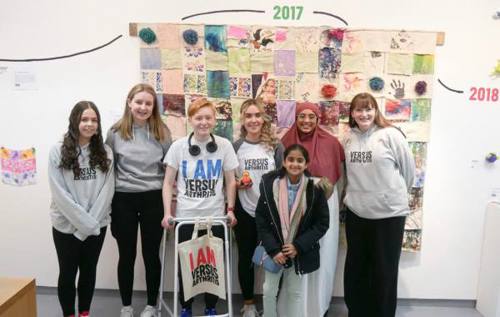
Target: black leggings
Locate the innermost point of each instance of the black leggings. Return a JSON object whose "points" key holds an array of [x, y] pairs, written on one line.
{"points": [[371, 266], [185, 233], [246, 237], [76, 256], [129, 211]]}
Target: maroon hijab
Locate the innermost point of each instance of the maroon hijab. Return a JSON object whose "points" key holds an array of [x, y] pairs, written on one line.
{"points": [[325, 152]]}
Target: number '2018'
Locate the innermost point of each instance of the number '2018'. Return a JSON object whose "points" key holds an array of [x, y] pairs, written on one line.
{"points": [[484, 94], [287, 12]]}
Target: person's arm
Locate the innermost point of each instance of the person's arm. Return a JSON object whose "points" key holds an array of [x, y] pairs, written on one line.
{"points": [[167, 194], [230, 184], [102, 204], [230, 164], [403, 157], [84, 223], [319, 226], [341, 184]]}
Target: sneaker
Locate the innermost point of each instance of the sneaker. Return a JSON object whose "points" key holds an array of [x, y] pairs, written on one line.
{"points": [[149, 311], [84, 314], [210, 312], [186, 312], [249, 311], [127, 311]]}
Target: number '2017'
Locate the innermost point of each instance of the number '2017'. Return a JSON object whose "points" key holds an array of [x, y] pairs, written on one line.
{"points": [[287, 12]]}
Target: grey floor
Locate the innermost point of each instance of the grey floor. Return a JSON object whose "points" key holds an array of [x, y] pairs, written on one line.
{"points": [[107, 303]]}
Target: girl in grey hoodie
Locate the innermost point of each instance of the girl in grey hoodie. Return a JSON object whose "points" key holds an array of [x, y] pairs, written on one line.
{"points": [[82, 184], [380, 170]]}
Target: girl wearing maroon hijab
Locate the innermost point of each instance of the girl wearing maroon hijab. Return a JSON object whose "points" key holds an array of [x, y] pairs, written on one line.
{"points": [[327, 157]]}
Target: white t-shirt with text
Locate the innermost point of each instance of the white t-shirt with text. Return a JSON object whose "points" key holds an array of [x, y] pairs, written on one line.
{"points": [[200, 178]]}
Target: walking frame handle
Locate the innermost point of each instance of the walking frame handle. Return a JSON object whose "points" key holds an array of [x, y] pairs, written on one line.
{"points": [[173, 220]]}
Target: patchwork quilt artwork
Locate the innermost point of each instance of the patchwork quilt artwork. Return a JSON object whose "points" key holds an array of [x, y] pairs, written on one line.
{"points": [[284, 66], [18, 166]]}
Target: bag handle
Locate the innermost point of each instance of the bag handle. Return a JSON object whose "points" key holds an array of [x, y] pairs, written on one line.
{"points": [[195, 230], [209, 227]]}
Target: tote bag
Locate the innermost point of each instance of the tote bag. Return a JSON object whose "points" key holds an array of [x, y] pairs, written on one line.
{"points": [[202, 264]]}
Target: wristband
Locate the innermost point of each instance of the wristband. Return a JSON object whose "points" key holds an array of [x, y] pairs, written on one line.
{"points": [[230, 209]]}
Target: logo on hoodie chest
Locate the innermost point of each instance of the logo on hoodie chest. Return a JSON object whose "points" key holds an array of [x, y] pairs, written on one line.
{"points": [[361, 156], [86, 173]]}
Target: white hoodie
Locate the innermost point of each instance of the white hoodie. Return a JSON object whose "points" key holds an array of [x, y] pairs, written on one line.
{"points": [[380, 170], [80, 205]]}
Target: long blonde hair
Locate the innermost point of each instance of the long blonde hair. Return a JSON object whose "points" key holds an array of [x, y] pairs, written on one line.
{"points": [[156, 126], [267, 135]]}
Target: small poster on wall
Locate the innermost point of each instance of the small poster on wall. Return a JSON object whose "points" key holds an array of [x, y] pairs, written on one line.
{"points": [[18, 166]]}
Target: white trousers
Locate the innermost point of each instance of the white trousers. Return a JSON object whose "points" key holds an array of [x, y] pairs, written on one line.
{"points": [[291, 293]]}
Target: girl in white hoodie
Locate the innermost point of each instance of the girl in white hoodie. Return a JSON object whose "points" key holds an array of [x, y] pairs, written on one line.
{"points": [[380, 170], [82, 184]]}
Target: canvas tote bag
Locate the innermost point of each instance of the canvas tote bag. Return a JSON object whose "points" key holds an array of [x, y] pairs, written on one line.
{"points": [[202, 264]]}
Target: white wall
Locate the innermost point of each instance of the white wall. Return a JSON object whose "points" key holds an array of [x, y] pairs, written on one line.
{"points": [[456, 188]]}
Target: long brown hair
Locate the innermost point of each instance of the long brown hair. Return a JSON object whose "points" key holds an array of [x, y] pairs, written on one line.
{"points": [[365, 100], [266, 134], [156, 126], [70, 148]]}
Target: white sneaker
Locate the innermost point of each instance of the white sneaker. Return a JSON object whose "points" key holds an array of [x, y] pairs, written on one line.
{"points": [[249, 311], [149, 311], [127, 311]]}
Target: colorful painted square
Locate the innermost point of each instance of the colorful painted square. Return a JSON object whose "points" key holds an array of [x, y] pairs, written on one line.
{"points": [[332, 38], [172, 81], [343, 111], [215, 38], [218, 84], [329, 63], [397, 109], [168, 36], [419, 150], [421, 110], [286, 113], [286, 89], [154, 79], [150, 58], [223, 109], [284, 63], [195, 84], [18, 166], [224, 128], [239, 61], [423, 64], [171, 59]]}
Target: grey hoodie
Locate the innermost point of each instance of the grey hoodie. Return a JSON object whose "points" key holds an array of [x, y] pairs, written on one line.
{"points": [[380, 170], [80, 205], [139, 161]]}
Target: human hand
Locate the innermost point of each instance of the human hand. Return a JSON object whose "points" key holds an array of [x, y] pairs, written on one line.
{"points": [[231, 219], [242, 185], [280, 258], [168, 222], [289, 250]]}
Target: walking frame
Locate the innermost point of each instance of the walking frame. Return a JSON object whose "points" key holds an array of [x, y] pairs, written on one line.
{"points": [[186, 221]]}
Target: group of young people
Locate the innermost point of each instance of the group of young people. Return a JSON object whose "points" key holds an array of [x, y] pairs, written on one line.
{"points": [[283, 194]]}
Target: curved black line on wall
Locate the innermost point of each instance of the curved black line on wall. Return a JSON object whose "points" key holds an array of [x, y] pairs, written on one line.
{"points": [[450, 89], [60, 57], [331, 15], [222, 11]]}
